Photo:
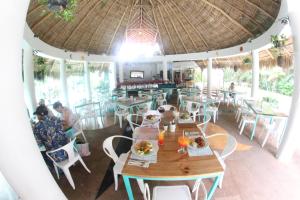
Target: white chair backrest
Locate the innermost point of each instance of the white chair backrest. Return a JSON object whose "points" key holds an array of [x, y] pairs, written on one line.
{"points": [[167, 107], [202, 126], [131, 123], [164, 95], [148, 105], [109, 149], [189, 105], [276, 125], [68, 148], [230, 146], [146, 192]]}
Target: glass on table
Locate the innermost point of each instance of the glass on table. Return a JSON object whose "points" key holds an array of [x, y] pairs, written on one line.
{"points": [[183, 143], [161, 137]]}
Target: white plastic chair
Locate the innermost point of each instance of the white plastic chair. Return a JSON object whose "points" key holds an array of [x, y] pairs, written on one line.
{"points": [[144, 108], [77, 127], [120, 113], [119, 161], [162, 100], [242, 110], [276, 127], [73, 157], [167, 107], [202, 126], [176, 192], [191, 109], [229, 148], [132, 124], [213, 109], [246, 119]]}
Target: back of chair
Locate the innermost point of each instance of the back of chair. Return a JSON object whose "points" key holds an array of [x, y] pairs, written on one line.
{"points": [[109, 149], [68, 148], [230, 146], [131, 123], [202, 126], [167, 107]]}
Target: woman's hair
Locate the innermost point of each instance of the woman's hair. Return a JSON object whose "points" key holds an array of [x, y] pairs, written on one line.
{"points": [[57, 105]]}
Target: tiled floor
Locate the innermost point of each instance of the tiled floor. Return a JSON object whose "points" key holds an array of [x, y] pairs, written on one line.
{"points": [[252, 173]]}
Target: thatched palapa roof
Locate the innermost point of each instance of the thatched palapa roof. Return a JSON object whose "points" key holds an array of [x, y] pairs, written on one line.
{"points": [[179, 26]]}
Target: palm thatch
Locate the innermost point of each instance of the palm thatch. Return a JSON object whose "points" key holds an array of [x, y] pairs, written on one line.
{"points": [[266, 59], [183, 26]]}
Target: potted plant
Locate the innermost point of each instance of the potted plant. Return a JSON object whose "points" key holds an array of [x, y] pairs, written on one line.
{"points": [[247, 61], [64, 9], [278, 42]]}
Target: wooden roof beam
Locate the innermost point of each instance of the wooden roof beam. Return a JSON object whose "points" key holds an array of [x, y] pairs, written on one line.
{"points": [[260, 9], [184, 28], [87, 14], [116, 30], [196, 30], [228, 17], [244, 13], [162, 18], [179, 36], [155, 21], [100, 25]]}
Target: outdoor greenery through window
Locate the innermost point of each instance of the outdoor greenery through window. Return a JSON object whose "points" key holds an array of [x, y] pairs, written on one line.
{"points": [[48, 87]]}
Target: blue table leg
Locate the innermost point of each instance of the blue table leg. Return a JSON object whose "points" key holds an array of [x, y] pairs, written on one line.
{"points": [[254, 127], [213, 187], [128, 187]]}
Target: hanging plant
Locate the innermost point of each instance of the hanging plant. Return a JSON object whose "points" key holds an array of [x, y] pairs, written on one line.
{"points": [[247, 61], [278, 42], [64, 9]]}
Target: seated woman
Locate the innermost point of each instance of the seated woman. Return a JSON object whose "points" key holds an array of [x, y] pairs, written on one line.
{"points": [[231, 90], [48, 132], [67, 116]]}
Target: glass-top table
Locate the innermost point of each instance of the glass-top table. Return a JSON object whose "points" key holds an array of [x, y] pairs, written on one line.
{"points": [[262, 109]]}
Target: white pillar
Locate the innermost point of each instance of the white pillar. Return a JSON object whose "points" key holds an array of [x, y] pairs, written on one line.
{"points": [[121, 73], [21, 162], [112, 76], [291, 137], [63, 82], [87, 80], [209, 71], [28, 69], [255, 73], [165, 70]]}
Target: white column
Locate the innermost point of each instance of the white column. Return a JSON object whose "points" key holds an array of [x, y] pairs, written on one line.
{"points": [[21, 162], [121, 73], [165, 70], [291, 137], [63, 82], [255, 73], [209, 71], [28, 69], [87, 80], [112, 76]]}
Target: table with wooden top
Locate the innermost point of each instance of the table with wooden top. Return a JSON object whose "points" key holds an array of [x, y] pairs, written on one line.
{"points": [[263, 109], [173, 166]]}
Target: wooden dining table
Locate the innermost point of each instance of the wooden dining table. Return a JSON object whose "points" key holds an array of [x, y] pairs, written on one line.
{"points": [[174, 166]]}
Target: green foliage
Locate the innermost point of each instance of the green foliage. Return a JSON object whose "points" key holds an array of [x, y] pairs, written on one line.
{"points": [[275, 79], [66, 14], [40, 67], [278, 40], [247, 61]]}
